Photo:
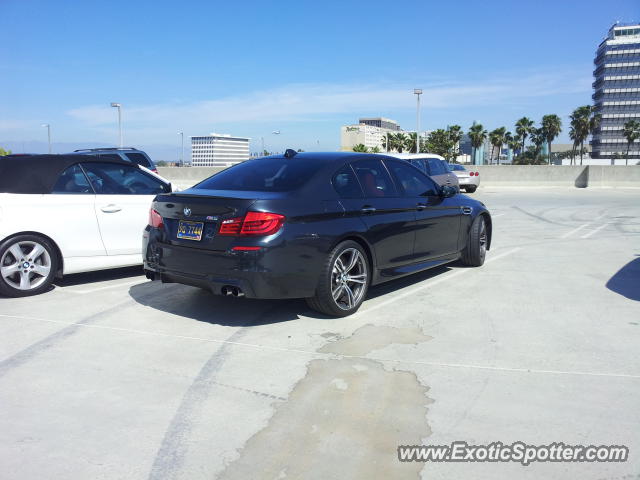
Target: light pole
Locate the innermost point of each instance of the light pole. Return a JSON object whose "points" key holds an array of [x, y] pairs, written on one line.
{"points": [[119, 107], [182, 143], [417, 92], [276, 132], [48, 135]]}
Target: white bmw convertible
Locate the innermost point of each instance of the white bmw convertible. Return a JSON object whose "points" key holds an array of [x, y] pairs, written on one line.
{"points": [[62, 214]]}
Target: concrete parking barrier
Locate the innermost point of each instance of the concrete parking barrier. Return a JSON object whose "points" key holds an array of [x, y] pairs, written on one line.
{"points": [[579, 176]]}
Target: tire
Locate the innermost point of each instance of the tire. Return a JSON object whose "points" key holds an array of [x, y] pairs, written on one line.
{"points": [[343, 282], [476, 249], [471, 189], [32, 254]]}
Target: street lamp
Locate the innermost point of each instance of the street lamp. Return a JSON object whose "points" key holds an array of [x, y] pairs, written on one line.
{"points": [[182, 142], [417, 92], [119, 107], [48, 135]]}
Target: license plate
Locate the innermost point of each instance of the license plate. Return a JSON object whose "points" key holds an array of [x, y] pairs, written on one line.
{"points": [[190, 230]]}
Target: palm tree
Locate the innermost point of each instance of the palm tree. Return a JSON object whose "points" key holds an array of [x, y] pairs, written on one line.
{"points": [[455, 135], [538, 138], [410, 142], [585, 121], [477, 135], [375, 149], [551, 128], [574, 137], [631, 132], [496, 137], [513, 142], [360, 148], [399, 141], [524, 127]]}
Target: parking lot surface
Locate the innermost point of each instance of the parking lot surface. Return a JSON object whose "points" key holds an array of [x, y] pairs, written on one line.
{"points": [[109, 375]]}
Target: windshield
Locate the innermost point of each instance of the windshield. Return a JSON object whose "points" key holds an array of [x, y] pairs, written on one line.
{"points": [[264, 175], [456, 167]]}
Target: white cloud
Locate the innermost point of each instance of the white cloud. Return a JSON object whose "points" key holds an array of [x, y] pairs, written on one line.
{"points": [[309, 101]]}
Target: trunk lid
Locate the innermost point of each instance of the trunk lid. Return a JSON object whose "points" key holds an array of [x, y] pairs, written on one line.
{"points": [[206, 207]]}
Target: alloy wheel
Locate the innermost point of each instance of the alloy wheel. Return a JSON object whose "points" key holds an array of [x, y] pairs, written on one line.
{"points": [[25, 265], [349, 279]]}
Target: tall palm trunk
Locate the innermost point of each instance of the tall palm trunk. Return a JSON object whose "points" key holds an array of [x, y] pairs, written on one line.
{"points": [[581, 151], [626, 158]]}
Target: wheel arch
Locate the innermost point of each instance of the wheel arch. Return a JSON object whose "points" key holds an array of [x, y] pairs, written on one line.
{"points": [[363, 243], [58, 252]]}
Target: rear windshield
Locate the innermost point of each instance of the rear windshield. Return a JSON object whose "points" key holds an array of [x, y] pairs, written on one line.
{"points": [[139, 158], [456, 167], [264, 175]]}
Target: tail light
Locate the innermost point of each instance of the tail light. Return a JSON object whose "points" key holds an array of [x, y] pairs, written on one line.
{"points": [[477, 173], [253, 223], [155, 220]]}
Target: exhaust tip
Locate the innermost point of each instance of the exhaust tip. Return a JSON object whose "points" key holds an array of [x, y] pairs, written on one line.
{"points": [[228, 290]]}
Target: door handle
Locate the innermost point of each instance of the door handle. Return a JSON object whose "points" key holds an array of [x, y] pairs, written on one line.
{"points": [[111, 208], [368, 209], [421, 206], [466, 210]]}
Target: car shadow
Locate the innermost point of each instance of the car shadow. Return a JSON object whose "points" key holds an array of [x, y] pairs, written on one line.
{"points": [[626, 281], [98, 276], [203, 306]]}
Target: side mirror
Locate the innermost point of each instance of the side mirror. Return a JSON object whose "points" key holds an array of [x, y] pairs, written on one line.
{"points": [[448, 191]]}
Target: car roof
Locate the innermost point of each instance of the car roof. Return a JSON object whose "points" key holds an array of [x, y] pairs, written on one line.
{"points": [[38, 173], [108, 149], [411, 156]]}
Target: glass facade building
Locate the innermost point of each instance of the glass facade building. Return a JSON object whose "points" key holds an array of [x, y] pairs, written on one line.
{"points": [[617, 90]]}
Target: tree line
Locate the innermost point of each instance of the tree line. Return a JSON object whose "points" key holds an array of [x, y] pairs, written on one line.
{"points": [[584, 121]]}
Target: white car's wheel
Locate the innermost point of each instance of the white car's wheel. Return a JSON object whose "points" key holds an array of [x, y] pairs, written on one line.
{"points": [[28, 265]]}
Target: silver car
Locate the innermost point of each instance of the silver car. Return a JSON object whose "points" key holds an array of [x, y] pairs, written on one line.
{"points": [[469, 180], [433, 165]]}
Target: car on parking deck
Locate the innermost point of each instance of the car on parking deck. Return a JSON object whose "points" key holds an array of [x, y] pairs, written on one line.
{"points": [[320, 226], [62, 214], [469, 180], [433, 165], [128, 154]]}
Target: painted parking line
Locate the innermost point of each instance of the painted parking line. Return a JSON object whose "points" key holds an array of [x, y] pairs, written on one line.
{"points": [[257, 346], [85, 291], [575, 230], [593, 232], [431, 283]]}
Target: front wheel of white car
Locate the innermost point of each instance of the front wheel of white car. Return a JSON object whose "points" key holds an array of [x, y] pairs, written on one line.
{"points": [[28, 265]]}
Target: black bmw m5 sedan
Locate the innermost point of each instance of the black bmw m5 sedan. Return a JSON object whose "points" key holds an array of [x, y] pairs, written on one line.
{"points": [[320, 226]]}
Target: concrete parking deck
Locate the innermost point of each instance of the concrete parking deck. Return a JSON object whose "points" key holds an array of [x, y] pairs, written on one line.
{"points": [[112, 376]]}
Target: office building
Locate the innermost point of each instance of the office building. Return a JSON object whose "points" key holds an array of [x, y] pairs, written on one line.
{"points": [[617, 90], [369, 132], [381, 122], [218, 150]]}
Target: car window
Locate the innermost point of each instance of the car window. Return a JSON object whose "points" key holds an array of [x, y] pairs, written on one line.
{"points": [[456, 167], [346, 183], [140, 159], [435, 166], [374, 178], [413, 182], [114, 179], [264, 175], [72, 180], [109, 156], [445, 165], [420, 164]]}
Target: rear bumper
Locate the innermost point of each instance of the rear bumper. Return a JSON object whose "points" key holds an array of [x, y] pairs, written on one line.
{"points": [[271, 273], [470, 181]]}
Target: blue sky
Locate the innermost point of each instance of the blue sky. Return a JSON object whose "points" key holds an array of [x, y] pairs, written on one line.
{"points": [[300, 67]]}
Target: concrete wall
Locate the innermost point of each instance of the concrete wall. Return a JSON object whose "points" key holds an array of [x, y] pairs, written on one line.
{"points": [[490, 175], [530, 175], [185, 177]]}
